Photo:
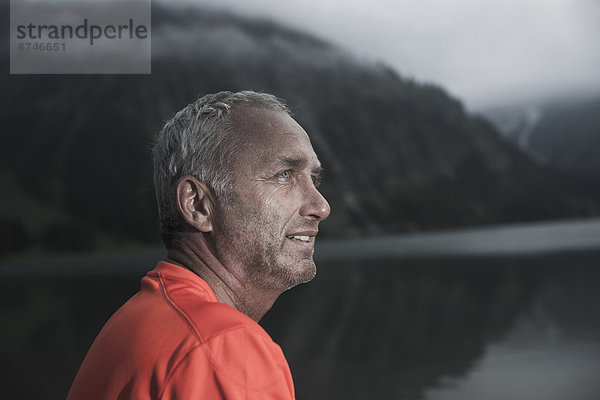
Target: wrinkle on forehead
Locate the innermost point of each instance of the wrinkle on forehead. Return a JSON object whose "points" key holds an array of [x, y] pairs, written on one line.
{"points": [[253, 122], [271, 136]]}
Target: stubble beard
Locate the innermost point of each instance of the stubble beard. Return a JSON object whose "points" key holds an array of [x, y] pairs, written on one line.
{"points": [[256, 249]]}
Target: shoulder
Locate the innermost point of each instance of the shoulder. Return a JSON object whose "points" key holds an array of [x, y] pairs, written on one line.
{"points": [[210, 320], [229, 340], [234, 354], [234, 358], [205, 316]]}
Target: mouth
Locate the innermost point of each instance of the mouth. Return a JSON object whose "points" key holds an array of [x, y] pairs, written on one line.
{"points": [[303, 237]]}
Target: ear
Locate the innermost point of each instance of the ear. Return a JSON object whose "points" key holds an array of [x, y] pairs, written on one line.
{"points": [[195, 203]]}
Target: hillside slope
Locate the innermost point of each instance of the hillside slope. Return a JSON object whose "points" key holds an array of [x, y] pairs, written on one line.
{"points": [[568, 136], [564, 134], [399, 155]]}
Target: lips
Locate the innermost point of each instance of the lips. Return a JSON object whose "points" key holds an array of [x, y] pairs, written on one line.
{"points": [[302, 236], [298, 237]]}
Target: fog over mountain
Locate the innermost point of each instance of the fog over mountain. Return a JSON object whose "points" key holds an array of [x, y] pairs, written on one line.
{"points": [[486, 53], [561, 134], [399, 155]]}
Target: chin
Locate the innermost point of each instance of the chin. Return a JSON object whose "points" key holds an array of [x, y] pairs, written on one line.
{"points": [[303, 272]]}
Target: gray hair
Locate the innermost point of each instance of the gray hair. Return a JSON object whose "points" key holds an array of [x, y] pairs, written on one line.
{"points": [[199, 141]]}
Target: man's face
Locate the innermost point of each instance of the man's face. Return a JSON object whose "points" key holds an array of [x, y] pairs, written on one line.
{"points": [[266, 234]]}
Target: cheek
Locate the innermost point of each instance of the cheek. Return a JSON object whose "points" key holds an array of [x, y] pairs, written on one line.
{"points": [[281, 206]]}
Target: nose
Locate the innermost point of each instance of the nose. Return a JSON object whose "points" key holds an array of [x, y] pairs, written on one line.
{"points": [[314, 205]]}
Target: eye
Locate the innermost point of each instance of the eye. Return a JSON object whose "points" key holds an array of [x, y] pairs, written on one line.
{"points": [[285, 174]]}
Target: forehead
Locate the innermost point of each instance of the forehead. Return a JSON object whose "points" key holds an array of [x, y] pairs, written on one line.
{"points": [[267, 136]]}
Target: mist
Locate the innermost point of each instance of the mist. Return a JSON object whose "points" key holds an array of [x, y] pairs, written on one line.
{"points": [[485, 53]]}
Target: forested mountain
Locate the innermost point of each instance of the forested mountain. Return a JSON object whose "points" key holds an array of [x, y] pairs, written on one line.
{"points": [[568, 136], [399, 155], [564, 134]]}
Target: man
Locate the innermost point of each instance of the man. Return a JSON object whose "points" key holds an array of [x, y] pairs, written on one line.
{"points": [[236, 182]]}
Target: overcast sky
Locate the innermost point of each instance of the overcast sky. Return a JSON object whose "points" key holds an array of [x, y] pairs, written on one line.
{"points": [[485, 52]]}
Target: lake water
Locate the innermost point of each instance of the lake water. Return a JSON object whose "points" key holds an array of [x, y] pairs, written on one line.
{"points": [[406, 317], [493, 313], [441, 329], [551, 351]]}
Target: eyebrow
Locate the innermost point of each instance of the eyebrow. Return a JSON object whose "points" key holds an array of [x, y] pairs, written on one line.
{"points": [[297, 162]]}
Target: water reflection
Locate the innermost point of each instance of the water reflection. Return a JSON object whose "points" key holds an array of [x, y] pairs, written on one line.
{"points": [[552, 351], [434, 329], [443, 329]]}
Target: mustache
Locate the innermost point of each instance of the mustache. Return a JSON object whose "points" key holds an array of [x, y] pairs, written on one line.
{"points": [[312, 228]]}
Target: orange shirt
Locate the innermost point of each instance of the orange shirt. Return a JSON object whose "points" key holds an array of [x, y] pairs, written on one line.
{"points": [[174, 340]]}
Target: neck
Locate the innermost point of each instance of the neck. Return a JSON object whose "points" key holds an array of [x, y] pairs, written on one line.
{"points": [[193, 253]]}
